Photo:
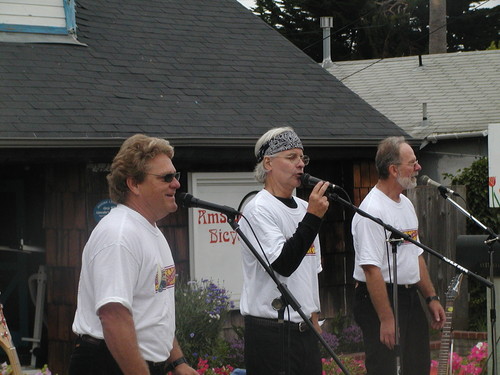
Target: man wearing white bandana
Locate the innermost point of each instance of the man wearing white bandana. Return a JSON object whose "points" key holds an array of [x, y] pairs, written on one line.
{"points": [[284, 229]]}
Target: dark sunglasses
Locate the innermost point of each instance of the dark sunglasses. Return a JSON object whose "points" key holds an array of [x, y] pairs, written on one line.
{"points": [[169, 177]]}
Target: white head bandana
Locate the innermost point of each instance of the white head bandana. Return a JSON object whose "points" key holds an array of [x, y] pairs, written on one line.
{"points": [[282, 142]]}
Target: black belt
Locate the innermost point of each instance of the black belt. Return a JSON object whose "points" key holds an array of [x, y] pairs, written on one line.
{"points": [[94, 341], [155, 366], [264, 322], [400, 286], [90, 340]]}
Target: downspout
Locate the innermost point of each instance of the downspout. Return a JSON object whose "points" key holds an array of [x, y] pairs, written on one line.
{"points": [[434, 138]]}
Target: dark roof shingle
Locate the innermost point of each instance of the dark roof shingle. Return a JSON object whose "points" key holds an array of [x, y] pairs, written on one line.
{"points": [[182, 68]]}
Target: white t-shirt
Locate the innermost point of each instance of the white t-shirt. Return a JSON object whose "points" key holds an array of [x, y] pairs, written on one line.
{"points": [[273, 223], [127, 260], [370, 238]]}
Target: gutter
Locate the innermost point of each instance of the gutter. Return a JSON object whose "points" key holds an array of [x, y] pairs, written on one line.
{"points": [[116, 142], [434, 138]]}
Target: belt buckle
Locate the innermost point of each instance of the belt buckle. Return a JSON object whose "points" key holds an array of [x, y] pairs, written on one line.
{"points": [[302, 326]]}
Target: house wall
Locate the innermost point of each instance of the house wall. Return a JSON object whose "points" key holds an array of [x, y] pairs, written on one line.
{"points": [[450, 156], [61, 198], [73, 190]]}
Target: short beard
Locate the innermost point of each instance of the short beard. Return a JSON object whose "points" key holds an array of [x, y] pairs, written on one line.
{"points": [[407, 182]]}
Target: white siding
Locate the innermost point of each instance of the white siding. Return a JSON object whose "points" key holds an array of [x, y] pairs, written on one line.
{"points": [[33, 13]]}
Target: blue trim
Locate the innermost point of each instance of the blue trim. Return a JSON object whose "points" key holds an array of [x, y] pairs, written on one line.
{"points": [[33, 29], [69, 11]]}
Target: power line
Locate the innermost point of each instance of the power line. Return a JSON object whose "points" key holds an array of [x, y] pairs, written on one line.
{"points": [[430, 33]]}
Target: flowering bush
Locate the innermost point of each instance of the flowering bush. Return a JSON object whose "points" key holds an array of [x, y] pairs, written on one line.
{"points": [[354, 366], [473, 364], [332, 341], [6, 369], [342, 335], [204, 368], [236, 352], [200, 312]]}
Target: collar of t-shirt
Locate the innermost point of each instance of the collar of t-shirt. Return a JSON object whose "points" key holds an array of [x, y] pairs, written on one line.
{"points": [[289, 202]]}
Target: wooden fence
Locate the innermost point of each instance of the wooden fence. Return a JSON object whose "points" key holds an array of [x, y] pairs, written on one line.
{"points": [[440, 223]]}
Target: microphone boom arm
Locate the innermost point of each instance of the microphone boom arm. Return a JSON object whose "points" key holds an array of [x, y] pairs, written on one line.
{"points": [[482, 280], [286, 294]]}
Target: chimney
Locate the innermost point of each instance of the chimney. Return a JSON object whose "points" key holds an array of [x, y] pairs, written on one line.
{"points": [[425, 121], [437, 26], [326, 23]]}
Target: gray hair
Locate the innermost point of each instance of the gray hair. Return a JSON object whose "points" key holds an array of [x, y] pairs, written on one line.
{"points": [[260, 172], [388, 153]]}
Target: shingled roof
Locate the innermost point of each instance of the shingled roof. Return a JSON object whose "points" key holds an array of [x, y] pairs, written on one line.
{"points": [[195, 71], [460, 90]]}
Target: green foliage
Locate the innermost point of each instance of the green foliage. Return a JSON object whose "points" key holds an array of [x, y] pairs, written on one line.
{"points": [[200, 312], [475, 178], [342, 335], [353, 366], [367, 29]]}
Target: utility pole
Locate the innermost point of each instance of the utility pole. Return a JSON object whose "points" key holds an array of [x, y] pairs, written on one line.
{"points": [[437, 26]]}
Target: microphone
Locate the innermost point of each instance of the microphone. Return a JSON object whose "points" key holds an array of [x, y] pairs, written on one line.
{"points": [[308, 180], [425, 180], [189, 201]]}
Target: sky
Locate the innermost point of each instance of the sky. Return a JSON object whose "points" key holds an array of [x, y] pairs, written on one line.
{"points": [[251, 3]]}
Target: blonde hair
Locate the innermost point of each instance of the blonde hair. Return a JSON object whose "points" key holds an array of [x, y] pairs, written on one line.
{"points": [[131, 161]]}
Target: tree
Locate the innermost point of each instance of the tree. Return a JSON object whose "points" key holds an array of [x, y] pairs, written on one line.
{"points": [[367, 29]]}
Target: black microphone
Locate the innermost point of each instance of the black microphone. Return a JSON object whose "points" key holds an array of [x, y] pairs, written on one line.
{"points": [[308, 180], [425, 180], [189, 201]]}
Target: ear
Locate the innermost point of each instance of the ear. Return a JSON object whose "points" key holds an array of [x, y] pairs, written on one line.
{"points": [[267, 163], [132, 185], [393, 170]]}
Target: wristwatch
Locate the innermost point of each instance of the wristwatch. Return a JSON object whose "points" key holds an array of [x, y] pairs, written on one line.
{"points": [[432, 298], [172, 365]]}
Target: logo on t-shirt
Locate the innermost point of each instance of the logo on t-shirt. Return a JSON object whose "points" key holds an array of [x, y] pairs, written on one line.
{"points": [[412, 233], [165, 278], [311, 251]]}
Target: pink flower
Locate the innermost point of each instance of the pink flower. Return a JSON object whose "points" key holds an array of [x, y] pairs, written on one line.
{"points": [[456, 361]]}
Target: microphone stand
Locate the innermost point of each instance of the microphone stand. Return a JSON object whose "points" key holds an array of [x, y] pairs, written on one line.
{"points": [[395, 242], [286, 296], [490, 241], [406, 237]]}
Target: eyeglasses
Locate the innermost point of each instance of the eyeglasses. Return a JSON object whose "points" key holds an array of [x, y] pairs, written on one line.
{"points": [[294, 158], [169, 177], [412, 164]]}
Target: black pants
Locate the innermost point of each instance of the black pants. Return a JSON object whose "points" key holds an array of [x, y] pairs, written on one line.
{"points": [[92, 357], [280, 350], [413, 333]]}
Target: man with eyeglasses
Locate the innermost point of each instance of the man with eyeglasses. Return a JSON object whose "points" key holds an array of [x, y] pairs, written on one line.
{"points": [[398, 168], [125, 317], [284, 229]]}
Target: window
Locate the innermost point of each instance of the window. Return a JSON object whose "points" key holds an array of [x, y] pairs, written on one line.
{"points": [[37, 21]]}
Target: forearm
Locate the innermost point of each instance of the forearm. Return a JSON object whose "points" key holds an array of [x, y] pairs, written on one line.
{"points": [[425, 284], [377, 290], [121, 340]]}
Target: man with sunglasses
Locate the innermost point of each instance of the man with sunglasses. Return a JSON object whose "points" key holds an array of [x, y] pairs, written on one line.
{"points": [[398, 168], [284, 229], [125, 317]]}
